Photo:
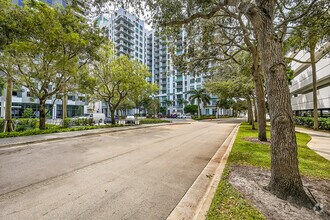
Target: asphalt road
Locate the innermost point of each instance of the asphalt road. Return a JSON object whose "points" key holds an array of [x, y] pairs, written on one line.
{"points": [[137, 174]]}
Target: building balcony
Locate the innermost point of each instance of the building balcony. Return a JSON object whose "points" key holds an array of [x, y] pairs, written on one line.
{"points": [[125, 31], [303, 82], [124, 45], [305, 101], [123, 37]]}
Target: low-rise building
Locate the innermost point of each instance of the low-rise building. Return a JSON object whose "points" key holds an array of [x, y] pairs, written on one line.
{"points": [[301, 86]]}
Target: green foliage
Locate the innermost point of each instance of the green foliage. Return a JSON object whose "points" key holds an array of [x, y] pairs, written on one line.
{"points": [[55, 50], [233, 81], [153, 107], [324, 123], [192, 109], [162, 110], [312, 29], [116, 79], [51, 129], [66, 123], [25, 124], [228, 203], [203, 117], [82, 122], [153, 121], [28, 113], [200, 95], [2, 124], [2, 84], [248, 153]]}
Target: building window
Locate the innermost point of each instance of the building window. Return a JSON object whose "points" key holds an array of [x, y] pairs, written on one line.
{"points": [[71, 97]]}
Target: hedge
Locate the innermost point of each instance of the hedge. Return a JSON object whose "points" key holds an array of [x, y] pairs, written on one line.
{"points": [[204, 117], [324, 123], [153, 121], [52, 129]]}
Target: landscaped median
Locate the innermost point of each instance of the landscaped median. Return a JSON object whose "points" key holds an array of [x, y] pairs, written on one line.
{"points": [[28, 127], [241, 193]]}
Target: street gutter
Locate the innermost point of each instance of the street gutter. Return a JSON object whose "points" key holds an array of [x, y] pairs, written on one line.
{"points": [[197, 200]]}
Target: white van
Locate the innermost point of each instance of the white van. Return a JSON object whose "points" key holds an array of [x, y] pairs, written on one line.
{"points": [[97, 117]]}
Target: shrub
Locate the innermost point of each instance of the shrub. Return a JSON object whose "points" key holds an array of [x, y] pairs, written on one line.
{"points": [[51, 129], [324, 123], [2, 123], [28, 113], [203, 117], [82, 122], [192, 109], [24, 124], [66, 123], [153, 121]]}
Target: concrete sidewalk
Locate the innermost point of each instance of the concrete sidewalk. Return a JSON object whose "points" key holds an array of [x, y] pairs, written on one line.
{"points": [[320, 142], [15, 141]]}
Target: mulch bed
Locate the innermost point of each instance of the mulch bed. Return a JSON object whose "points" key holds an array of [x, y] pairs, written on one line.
{"points": [[251, 182], [256, 140]]}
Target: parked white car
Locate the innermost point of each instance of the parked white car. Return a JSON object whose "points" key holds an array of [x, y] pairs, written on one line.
{"points": [[97, 117], [182, 116]]}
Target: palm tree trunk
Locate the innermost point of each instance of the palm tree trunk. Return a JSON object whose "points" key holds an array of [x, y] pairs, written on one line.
{"points": [[199, 109]]}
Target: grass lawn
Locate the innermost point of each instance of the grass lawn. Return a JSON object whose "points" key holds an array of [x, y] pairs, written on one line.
{"points": [[228, 203]]}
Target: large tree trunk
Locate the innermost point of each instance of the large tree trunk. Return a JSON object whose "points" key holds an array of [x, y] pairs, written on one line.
{"points": [[8, 124], [42, 115], [285, 180], [250, 113], [64, 106], [312, 46], [255, 110], [113, 120], [260, 97], [112, 112]]}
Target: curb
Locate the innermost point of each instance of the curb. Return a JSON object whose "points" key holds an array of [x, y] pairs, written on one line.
{"points": [[197, 200], [82, 135]]}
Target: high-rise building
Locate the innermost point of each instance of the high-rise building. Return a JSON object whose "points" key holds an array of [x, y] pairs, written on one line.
{"points": [[133, 38], [128, 33]]}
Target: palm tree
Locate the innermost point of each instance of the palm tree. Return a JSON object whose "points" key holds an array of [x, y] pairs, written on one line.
{"points": [[201, 96], [168, 103], [182, 101]]}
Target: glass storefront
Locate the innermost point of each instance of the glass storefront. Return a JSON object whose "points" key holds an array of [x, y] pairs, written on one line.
{"points": [[72, 111], [18, 109]]}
